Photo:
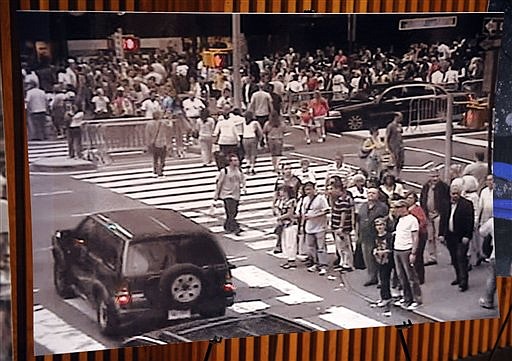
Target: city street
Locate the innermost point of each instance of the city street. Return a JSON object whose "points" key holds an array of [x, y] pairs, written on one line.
{"points": [[61, 200]]}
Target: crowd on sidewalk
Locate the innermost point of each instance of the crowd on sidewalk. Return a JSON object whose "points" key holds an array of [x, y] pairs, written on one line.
{"points": [[104, 86]]}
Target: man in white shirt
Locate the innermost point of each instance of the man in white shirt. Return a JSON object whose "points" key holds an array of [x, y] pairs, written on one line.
{"points": [[192, 107], [314, 219], [405, 253], [338, 168], [226, 134], [225, 100], [100, 102], [36, 104], [437, 77], [150, 106]]}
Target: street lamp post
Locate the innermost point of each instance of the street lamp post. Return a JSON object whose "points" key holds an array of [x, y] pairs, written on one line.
{"points": [[237, 60]]}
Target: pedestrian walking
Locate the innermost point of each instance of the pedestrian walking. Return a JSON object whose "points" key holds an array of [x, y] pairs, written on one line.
{"points": [[261, 106], [205, 126], [395, 143], [306, 120], [75, 135], [487, 299], [226, 135], [372, 149], [273, 131], [405, 253], [157, 135], [252, 134], [230, 185], [314, 219], [319, 110], [36, 104]]}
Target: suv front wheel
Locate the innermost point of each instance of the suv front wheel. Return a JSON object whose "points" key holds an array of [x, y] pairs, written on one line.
{"points": [[182, 286]]}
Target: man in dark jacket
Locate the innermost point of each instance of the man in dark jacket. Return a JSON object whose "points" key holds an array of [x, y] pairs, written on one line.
{"points": [[368, 213], [456, 229], [435, 201]]}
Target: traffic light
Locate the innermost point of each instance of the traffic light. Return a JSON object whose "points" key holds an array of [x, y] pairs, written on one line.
{"points": [[131, 43]]}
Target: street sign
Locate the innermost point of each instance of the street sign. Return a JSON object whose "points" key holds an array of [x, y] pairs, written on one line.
{"points": [[493, 27], [427, 23]]}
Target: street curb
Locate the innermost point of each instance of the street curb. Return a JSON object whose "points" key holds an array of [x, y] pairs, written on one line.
{"points": [[61, 164]]}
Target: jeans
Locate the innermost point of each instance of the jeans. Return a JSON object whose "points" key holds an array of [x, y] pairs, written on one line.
{"points": [[75, 142], [419, 264], [433, 235], [159, 160], [408, 277], [385, 279], [231, 208], [458, 255], [343, 244], [317, 248], [369, 261]]}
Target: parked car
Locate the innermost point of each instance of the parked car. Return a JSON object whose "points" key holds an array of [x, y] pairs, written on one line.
{"points": [[140, 262], [417, 101], [226, 327]]}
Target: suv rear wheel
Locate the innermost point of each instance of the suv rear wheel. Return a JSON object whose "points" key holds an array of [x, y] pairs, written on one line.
{"points": [[106, 317], [182, 286], [61, 281]]}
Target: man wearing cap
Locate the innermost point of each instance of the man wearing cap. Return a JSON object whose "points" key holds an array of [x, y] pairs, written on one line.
{"points": [[368, 213], [435, 201], [456, 228], [193, 107], [36, 104], [101, 102], [405, 253], [314, 211], [225, 100], [75, 135], [150, 105]]}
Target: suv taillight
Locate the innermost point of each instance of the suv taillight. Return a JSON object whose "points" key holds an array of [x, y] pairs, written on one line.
{"points": [[229, 287], [123, 297]]}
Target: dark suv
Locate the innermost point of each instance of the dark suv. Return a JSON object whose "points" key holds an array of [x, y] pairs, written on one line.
{"points": [[135, 263]]}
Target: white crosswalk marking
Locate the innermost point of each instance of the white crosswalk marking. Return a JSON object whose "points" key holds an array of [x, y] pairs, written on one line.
{"points": [[345, 318], [56, 335], [47, 149], [189, 188]]}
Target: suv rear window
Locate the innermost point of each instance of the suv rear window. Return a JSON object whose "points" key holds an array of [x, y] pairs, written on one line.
{"points": [[152, 257]]}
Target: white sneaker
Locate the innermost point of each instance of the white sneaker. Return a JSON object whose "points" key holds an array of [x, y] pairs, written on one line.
{"points": [[302, 257], [413, 306], [399, 302], [322, 272], [383, 303], [313, 268]]}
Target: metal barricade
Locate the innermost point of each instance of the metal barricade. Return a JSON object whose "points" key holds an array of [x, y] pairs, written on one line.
{"points": [[103, 137], [433, 109]]}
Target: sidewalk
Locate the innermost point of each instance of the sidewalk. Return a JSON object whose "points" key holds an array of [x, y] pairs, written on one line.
{"points": [[441, 301]]}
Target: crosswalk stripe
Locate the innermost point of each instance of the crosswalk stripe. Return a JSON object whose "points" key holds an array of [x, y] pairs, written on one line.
{"points": [[347, 319], [56, 335], [51, 149]]}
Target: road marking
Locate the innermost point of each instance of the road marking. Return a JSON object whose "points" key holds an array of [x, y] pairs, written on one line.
{"points": [[232, 259], [42, 194], [249, 306], [347, 319], [56, 335], [424, 166], [269, 243], [320, 159], [442, 155], [309, 324], [255, 277], [81, 214]]}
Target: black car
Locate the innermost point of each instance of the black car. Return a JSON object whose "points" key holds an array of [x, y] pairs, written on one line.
{"points": [[417, 101], [142, 262], [255, 324]]}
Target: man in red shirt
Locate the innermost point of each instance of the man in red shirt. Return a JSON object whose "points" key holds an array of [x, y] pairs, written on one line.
{"points": [[320, 109]]}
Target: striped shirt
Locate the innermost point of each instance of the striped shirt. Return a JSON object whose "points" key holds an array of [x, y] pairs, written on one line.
{"points": [[341, 211]]}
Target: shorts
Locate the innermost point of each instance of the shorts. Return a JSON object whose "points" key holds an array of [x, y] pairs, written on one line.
{"points": [[276, 147]]}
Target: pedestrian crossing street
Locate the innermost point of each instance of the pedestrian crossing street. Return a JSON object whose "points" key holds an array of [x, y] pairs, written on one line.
{"points": [[189, 189]]}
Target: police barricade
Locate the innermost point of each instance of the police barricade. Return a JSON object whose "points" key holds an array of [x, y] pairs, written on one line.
{"points": [[103, 137]]}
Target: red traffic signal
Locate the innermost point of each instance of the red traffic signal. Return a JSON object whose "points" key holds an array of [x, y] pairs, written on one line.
{"points": [[131, 43]]}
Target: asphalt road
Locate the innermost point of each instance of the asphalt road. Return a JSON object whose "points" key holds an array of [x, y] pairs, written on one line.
{"points": [[62, 200]]}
